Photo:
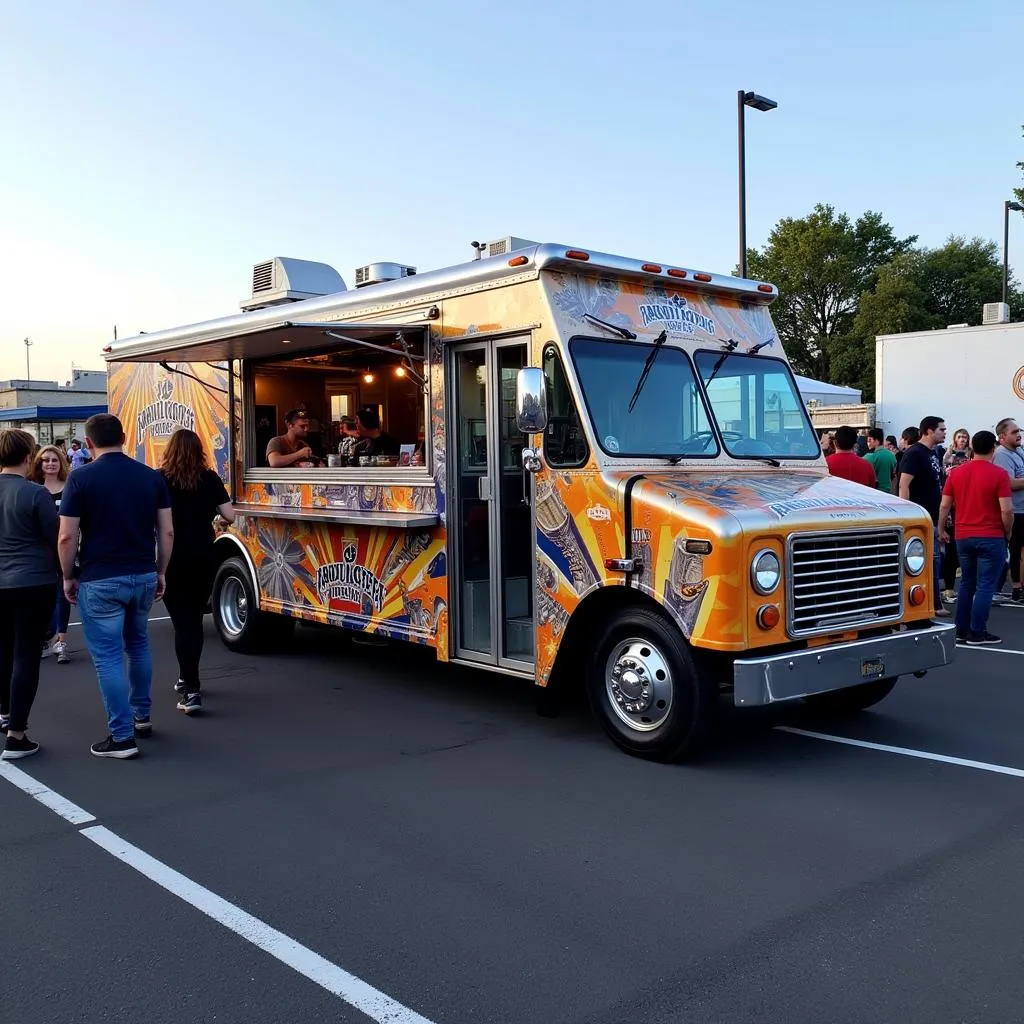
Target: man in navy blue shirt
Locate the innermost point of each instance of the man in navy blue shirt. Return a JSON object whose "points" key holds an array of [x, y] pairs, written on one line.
{"points": [[120, 512]]}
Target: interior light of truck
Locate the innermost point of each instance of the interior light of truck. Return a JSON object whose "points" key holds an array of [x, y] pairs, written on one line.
{"points": [[676, 272], [765, 571], [399, 371], [698, 547], [768, 616], [577, 254], [368, 378], [917, 595], [702, 277], [914, 556], [518, 261], [651, 268]]}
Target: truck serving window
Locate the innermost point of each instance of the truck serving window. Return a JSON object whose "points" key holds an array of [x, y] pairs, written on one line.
{"points": [[358, 407], [665, 417], [564, 443], [757, 407]]}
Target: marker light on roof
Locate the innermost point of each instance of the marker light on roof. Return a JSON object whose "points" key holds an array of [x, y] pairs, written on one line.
{"points": [[577, 254], [676, 272], [765, 288], [702, 277], [651, 268], [518, 261]]}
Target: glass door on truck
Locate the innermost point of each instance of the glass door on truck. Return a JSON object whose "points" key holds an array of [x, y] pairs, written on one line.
{"points": [[490, 511]]}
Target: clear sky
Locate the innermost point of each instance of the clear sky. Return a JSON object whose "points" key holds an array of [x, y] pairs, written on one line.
{"points": [[153, 152]]}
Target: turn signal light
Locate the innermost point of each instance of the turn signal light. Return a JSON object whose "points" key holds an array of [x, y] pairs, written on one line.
{"points": [[577, 254], [917, 596], [768, 616], [702, 277]]}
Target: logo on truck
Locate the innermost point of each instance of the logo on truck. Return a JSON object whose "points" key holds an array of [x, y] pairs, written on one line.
{"points": [[349, 582], [1018, 383], [677, 315], [164, 416]]}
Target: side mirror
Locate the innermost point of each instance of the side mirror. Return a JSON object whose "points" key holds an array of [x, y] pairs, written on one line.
{"points": [[531, 400]]}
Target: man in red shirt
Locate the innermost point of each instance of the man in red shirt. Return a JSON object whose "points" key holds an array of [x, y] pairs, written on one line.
{"points": [[847, 463], [980, 492]]}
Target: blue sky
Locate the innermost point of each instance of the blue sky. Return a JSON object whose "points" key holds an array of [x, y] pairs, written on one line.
{"points": [[152, 153]]}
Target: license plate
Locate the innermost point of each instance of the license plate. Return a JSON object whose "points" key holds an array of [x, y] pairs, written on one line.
{"points": [[872, 667]]}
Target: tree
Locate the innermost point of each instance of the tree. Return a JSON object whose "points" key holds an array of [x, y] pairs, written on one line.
{"points": [[959, 278], [822, 264]]}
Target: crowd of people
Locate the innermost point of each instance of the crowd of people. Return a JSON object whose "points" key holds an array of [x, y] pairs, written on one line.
{"points": [[110, 535], [973, 490]]}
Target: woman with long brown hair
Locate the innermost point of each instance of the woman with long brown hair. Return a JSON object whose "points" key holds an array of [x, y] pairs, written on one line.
{"points": [[197, 497], [50, 468]]}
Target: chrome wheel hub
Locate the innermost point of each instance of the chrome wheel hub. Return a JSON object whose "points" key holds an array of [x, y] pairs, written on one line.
{"points": [[639, 684], [234, 606]]}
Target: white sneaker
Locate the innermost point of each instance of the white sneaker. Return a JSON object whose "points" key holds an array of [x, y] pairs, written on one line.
{"points": [[61, 650], [47, 650]]}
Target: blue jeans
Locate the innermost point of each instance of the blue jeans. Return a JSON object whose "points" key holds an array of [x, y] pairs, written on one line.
{"points": [[115, 615], [981, 561], [937, 569], [61, 611]]}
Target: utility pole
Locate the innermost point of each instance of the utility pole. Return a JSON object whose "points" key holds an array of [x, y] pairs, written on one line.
{"points": [[28, 364]]}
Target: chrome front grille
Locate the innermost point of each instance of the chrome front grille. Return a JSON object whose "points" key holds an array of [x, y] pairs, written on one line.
{"points": [[843, 579]]}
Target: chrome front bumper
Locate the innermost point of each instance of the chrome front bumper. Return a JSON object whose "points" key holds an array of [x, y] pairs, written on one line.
{"points": [[797, 674]]}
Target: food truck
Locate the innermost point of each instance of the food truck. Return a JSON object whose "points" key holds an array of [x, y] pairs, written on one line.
{"points": [[598, 473]]}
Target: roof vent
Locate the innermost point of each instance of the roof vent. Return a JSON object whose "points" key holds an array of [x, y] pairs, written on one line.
{"points": [[378, 273], [501, 246], [995, 313], [283, 279]]}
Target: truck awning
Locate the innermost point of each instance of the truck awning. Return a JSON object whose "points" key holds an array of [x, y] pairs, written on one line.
{"points": [[279, 338]]}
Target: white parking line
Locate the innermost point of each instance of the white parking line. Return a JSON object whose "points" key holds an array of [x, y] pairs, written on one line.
{"points": [[377, 1005], [46, 796], [925, 755], [989, 650]]}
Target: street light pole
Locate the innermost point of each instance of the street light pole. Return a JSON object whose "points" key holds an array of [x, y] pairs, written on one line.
{"points": [[28, 365], [1007, 207], [746, 99]]}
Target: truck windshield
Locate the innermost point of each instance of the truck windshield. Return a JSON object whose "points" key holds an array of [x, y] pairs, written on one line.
{"points": [[757, 407], [668, 418]]}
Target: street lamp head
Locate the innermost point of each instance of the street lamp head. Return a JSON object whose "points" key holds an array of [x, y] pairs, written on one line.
{"points": [[751, 99], [1017, 207]]}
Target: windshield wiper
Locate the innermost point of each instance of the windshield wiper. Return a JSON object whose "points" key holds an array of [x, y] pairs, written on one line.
{"points": [[720, 362], [622, 332], [760, 458], [648, 363], [754, 349]]}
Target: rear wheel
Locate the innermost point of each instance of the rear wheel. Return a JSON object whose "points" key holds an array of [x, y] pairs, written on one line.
{"points": [[241, 625], [852, 699], [647, 690]]}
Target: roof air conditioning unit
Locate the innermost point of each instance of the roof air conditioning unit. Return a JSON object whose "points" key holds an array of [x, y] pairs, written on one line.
{"points": [[378, 273], [995, 313], [501, 246], [283, 279]]}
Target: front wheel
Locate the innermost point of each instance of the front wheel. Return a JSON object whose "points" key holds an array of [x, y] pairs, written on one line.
{"points": [[647, 690], [242, 627], [852, 699]]}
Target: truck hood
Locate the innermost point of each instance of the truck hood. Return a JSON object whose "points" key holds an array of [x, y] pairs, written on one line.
{"points": [[770, 500]]}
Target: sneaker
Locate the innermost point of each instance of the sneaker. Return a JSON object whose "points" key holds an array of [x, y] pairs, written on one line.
{"points": [[47, 650], [5, 723], [982, 639], [61, 650], [961, 636], [941, 613], [180, 688], [143, 727], [1000, 599], [1017, 597], [949, 597], [14, 749], [115, 748], [191, 703]]}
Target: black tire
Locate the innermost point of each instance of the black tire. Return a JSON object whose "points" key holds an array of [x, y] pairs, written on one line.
{"points": [[681, 700], [852, 699], [241, 627]]}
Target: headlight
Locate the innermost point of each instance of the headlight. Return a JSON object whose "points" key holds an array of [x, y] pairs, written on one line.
{"points": [[914, 556], [765, 571]]}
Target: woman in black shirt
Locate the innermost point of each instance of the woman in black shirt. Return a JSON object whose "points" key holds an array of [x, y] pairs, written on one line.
{"points": [[197, 496]]}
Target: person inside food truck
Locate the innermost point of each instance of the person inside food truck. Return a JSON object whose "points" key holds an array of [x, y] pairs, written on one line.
{"points": [[290, 450], [372, 440]]}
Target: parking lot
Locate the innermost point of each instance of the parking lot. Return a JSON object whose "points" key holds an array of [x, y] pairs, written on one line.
{"points": [[353, 833]]}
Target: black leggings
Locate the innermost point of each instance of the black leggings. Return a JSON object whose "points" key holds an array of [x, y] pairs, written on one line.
{"points": [[188, 591], [950, 562], [24, 622]]}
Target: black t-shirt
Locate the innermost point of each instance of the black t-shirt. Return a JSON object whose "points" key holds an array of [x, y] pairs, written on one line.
{"points": [[115, 500], [925, 466], [193, 513], [384, 444]]}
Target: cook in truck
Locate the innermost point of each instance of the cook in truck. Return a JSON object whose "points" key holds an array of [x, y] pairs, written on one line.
{"points": [[290, 448]]}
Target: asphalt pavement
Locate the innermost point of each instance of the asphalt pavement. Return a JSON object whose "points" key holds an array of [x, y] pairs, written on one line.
{"points": [[355, 833]]}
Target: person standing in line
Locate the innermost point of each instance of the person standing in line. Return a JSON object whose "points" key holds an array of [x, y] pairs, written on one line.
{"points": [[1008, 457], [79, 456], [956, 455], [28, 566], [197, 496], [920, 481], [846, 463], [909, 437], [890, 443], [122, 511], [50, 469], [881, 460], [980, 494]]}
